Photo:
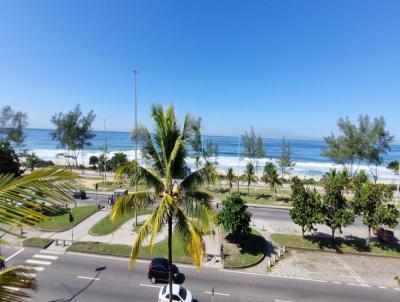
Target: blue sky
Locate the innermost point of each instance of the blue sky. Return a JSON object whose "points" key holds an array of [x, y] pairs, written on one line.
{"points": [[286, 67]]}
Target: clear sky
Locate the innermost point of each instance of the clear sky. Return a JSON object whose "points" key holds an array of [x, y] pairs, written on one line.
{"points": [[286, 67]]}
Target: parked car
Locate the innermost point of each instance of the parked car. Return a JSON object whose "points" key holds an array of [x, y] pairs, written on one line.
{"points": [[158, 270], [385, 235], [179, 293], [79, 195]]}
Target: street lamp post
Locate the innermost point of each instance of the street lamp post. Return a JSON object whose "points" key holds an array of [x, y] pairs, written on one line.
{"points": [[105, 146], [135, 72]]}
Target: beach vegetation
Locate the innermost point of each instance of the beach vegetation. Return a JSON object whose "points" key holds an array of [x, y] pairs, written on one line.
{"points": [[271, 178], [230, 177], [12, 126], [285, 159], [249, 176], [234, 215], [337, 213], [73, 132], [196, 143], [9, 161], [117, 160], [93, 161], [365, 142], [306, 206], [394, 166], [167, 177]]}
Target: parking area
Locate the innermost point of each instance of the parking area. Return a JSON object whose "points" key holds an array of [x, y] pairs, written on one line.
{"points": [[339, 268]]}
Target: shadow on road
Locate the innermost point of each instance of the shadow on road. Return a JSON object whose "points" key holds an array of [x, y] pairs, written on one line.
{"points": [[98, 270]]}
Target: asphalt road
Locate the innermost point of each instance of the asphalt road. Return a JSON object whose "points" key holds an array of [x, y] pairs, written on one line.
{"points": [[70, 277]]}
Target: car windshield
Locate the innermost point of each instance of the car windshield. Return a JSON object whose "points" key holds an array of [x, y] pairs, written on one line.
{"points": [[182, 293]]}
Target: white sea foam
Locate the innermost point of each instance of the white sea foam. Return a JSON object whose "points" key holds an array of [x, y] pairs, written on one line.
{"points": [[310, 169]]}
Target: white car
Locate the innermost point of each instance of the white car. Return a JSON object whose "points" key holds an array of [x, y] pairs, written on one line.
{"points": [[179, 293]]}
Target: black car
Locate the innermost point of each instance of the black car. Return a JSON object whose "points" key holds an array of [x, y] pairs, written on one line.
{"points": [[158, 270]]}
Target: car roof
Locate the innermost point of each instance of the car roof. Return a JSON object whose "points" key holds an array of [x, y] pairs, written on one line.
{"points": [[159, 261], [175, 289]]}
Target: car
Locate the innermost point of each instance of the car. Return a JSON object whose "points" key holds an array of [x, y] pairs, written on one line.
{"points": [[158, 270], [179, 293], [385, 235]]}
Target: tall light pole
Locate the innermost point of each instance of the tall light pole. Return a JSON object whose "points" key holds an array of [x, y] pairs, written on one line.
{"points": [[105, 150], [135, 72]]}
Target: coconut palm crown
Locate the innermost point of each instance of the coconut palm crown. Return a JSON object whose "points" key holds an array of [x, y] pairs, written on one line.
{"points": [[166, 178]]}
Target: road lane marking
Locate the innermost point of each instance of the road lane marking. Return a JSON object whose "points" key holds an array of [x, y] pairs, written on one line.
{"points": [[382, 287], [45, 257], [355, 284], [219, 294], [150, 285], [278, 300], [396, 288], [88, 278], [31, 261], [336, 282], [13, 255], [51, 252]]}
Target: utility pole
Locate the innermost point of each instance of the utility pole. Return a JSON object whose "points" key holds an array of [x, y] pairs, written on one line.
{"points": [[105, 150], [135, 72], [238, 176]]}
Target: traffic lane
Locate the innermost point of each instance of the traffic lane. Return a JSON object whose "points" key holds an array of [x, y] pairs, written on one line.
{"points": [[239, 286], [17, 255]]}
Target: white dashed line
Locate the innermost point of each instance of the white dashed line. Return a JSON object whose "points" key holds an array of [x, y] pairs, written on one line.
{"points": [[88, 278], [382, 287], [397, 289], [45, 257], [355, 284], [31, 261], [278, 300], [150, 285], [336, 282], [13, 255], [219, 294]]}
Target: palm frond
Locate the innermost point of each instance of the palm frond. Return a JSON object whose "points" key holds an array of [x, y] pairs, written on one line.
{"points": [[129, 202], [194, 180], [18, 276], [136, 173]]}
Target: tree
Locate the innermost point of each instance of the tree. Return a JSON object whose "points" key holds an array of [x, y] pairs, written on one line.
{"points": [[93, 161], [231, 177], [370, 201], [32, 161], [73, 131], [249, 140], [166, 175], [306, 206], [365, 142], [249, 176], [234, 215], [118, 159], [196, 143], [271, 178], [104, 163], [336, 212], [9, 161], [285, 160], [210, 151], [50, 185], [394, 166], [260, 151], [12, 126]]}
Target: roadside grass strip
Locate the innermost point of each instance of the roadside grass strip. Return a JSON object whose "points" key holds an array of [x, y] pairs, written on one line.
{"points": [[350, 246]]}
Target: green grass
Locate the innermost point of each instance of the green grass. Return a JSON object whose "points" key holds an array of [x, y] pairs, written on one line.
{"points": [[257, 196], [357, 245], [105, 226], [159, 250], [247, 251], [61, 222], [37, 242]]}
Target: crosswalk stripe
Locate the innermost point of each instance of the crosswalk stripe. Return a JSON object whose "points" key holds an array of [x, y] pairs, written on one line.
{"points": [[45, 257], [38, 268], [31, 261], [51, 252]]}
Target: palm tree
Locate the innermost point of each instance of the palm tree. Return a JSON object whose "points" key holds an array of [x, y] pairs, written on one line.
{"points": [[271, 178], [166, 177], [21, 199], [249, 176], [231, 177]]}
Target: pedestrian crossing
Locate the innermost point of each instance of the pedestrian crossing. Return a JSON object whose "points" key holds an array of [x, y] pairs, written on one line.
{"points": [[287, 268], [43, 259]]}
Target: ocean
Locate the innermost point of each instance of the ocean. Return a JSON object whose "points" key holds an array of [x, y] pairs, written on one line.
{"points": [[306, 153]]}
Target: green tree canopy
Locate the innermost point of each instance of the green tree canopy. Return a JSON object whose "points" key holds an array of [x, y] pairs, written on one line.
{"points": [[365, 142], [231, 177], [73, 131], [118, 159], [271, 178], [249, 176], [12, 126], [371, 202], [93, 160], [336, 212], [306, 206], [234, 215], [9, 161], [285, 159]]}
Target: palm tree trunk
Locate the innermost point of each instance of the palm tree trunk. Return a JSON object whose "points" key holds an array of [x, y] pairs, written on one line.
{"points": [[170, 257]]}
